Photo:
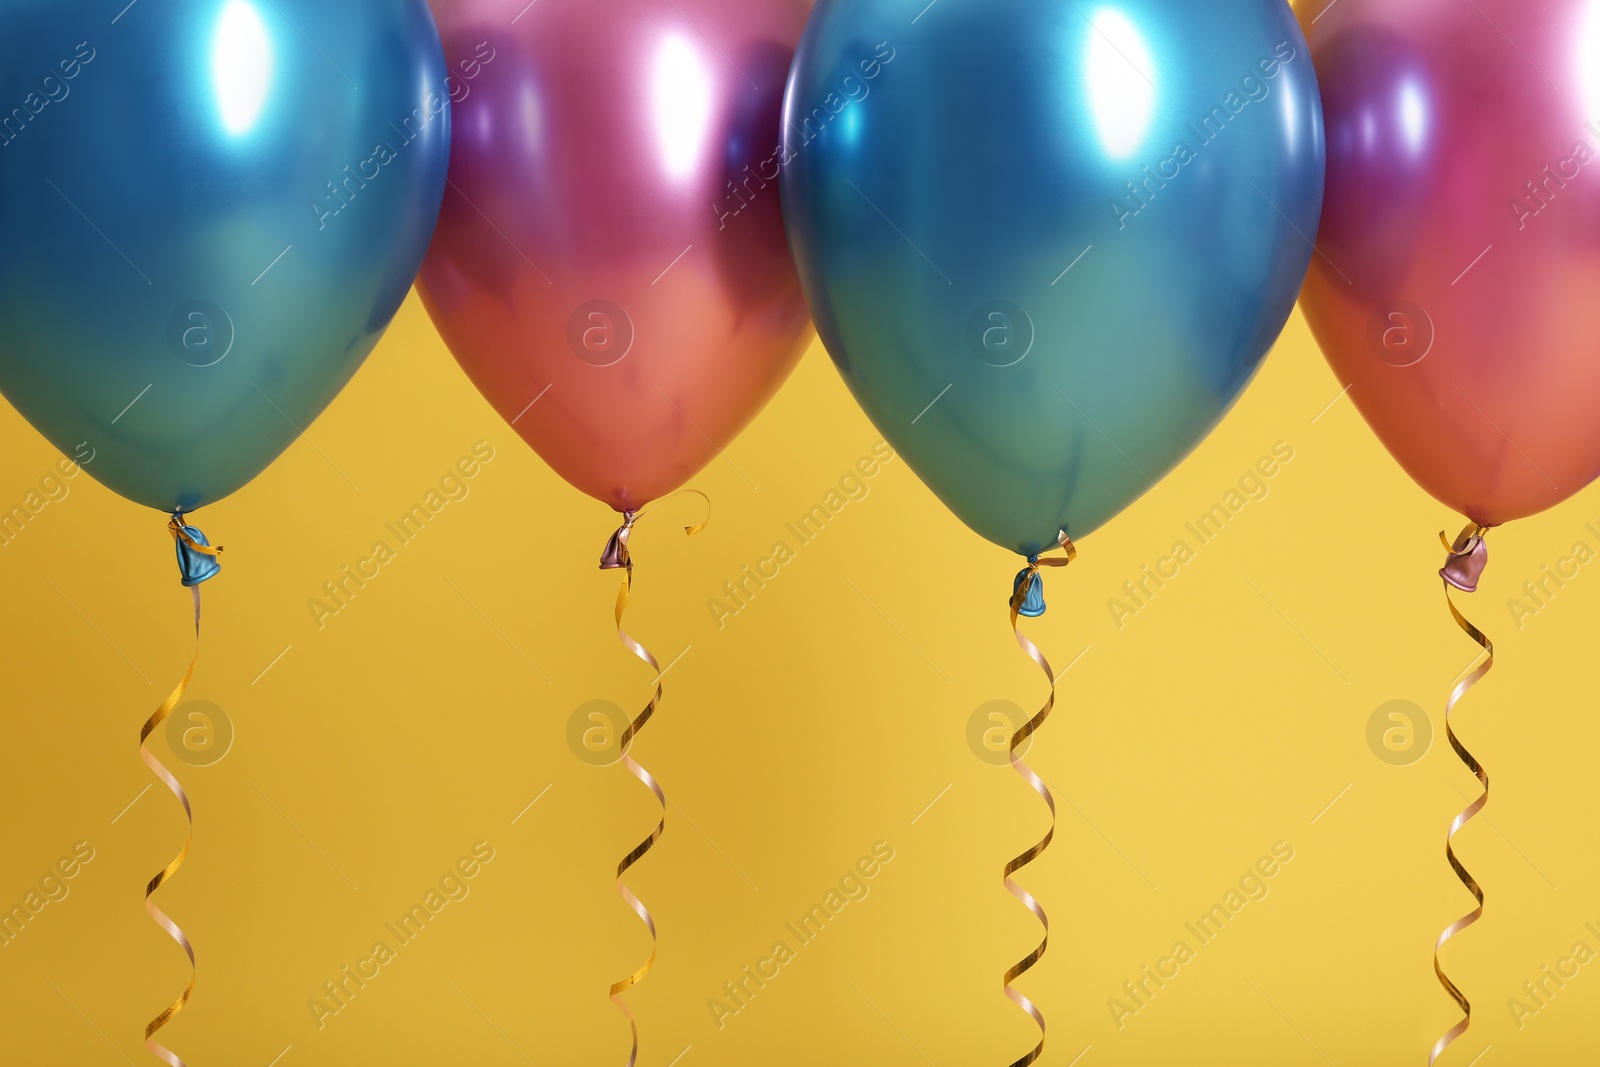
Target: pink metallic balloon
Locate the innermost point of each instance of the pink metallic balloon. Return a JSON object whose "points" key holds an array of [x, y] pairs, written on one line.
{"points": [[610, 267], [1458, 287]]}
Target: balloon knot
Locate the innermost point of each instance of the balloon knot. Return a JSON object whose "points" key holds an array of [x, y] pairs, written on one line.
{"points": [[197, 559], [1469, 555], [615, 557], [1027, 592]]}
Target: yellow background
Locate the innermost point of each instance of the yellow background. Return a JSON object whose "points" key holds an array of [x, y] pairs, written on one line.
{"points": [[824, 717]]}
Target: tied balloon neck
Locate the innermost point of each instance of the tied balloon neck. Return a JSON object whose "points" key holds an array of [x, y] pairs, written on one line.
{"points": [[1469, 555], [1027, 592], [198, 559], [616, 557]]}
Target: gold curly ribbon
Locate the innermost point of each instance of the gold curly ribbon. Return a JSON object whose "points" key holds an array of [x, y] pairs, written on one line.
{"points": [[180, 533], [167, 872], [1028, 729], [1470, 679], [644, 776]]}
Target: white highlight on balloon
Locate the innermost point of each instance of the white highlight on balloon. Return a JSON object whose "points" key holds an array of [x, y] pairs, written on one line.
{"points": [[1121, 82], [1289, 103], [1413, 117], [681, 98], [1588, 59], [241, 66]]}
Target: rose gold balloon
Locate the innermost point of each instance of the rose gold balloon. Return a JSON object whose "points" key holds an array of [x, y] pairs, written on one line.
{"points": [[1456, 287], [610, 266]]}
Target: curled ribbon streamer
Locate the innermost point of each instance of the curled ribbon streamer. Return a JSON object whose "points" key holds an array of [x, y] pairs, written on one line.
{"points": [[1467, 558], [167, 872], [617, 556], [1028, 775]]}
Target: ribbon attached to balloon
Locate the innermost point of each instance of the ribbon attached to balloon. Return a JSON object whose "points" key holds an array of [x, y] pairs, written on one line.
{"points": [[1027, 600], [197, 558], [617, 557], [197, 563], [1469, 555]]}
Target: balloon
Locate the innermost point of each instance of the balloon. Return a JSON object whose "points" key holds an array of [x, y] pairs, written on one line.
{"points": [[1048, 245], [209, 212], [1461, 241], [610, 267]]}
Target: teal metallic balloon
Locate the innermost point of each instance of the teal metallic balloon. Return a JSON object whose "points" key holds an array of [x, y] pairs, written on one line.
{"points": [[209, 212], [1048, 245]]}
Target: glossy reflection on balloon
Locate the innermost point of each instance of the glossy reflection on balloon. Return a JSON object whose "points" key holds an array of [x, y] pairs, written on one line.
{"points": [[611, 268], [207, 219], [1048, 244], [241, 66], [1118, 79], [1461, 241]]}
